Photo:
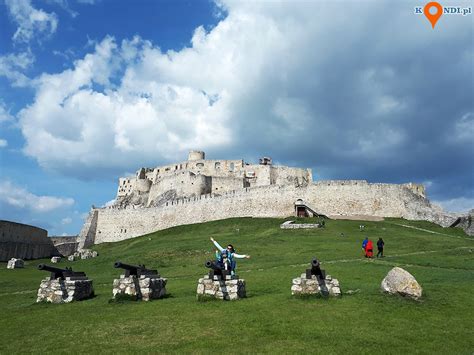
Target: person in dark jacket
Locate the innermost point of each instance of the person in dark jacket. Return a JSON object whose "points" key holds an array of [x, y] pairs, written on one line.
{"points": [[380, 244]]}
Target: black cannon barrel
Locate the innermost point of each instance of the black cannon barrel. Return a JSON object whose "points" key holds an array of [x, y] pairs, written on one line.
{"points": [[315, 270], [137, 270], [50, 268], [119, 264], [315, 263], [57, 273], [212, 265]]}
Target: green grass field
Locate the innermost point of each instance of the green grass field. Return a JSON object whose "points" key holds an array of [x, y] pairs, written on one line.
{"points": [[269, 320]]}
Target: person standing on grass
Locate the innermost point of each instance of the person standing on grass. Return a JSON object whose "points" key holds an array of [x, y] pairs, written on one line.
{"points": [[380, 244], [364, 244], [230, 254], [369, 249]]}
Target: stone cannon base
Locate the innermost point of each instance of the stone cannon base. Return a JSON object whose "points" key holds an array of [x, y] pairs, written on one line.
{"points": [[15, 264], [230, 289], [64, 291], [327, 287], [144, 288]]}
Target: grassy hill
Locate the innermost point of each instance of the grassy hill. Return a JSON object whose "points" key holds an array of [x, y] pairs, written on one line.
{"points": [[269, 320]]}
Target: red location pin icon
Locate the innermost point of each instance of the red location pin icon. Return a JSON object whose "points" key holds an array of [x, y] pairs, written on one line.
{"points": [[433, 18]]}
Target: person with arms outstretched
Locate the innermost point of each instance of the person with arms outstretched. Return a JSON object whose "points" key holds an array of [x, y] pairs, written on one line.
{"points": [[229, 254]]}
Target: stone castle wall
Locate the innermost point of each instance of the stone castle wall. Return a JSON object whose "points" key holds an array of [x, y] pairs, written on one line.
{"points": [[24, 242], [183, 183], [346, 198]]}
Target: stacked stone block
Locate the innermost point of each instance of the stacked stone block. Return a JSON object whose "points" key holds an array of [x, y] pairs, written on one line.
{"points": [[55, 259], [144, 288], [314, 286], [65, 290], [15, 263], [232, 288]]}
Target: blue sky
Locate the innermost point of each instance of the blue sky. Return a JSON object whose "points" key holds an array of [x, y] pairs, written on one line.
{"points": [[94, 89]]}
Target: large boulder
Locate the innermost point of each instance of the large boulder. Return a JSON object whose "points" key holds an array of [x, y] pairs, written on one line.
{"points": [[400, 281]]}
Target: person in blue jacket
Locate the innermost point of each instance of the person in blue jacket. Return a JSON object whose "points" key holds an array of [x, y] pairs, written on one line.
{"points": [[227, 255]]}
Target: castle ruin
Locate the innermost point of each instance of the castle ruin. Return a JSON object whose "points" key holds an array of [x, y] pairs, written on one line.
{"points": [[199, 190]]}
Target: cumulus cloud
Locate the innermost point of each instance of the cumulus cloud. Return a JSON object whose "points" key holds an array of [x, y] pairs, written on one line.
{"points": [[347, 92], [18, 197], [3, 143]]}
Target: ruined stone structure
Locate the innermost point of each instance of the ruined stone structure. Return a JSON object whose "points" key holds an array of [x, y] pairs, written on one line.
{"points": [[23, 241], [200, 190], [230, 289], [65, 245]]}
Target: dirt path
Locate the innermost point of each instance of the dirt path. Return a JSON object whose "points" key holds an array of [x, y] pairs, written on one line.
{"points": [[430, 231]]}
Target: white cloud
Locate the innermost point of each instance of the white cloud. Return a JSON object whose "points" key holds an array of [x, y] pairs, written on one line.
{"points": [[5, 115], [12, 66], [346, 87], [18, 197], [3, 143], [31, 22], [66, 220], [459, 205]]}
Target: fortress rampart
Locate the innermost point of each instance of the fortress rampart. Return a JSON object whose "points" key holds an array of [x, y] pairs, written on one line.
{"points": [[23, 241], [342, 198]]}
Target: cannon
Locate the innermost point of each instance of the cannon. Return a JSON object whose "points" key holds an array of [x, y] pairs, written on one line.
{"points": [[217, 269], [134, 270], [57, 273], [315, 270]]}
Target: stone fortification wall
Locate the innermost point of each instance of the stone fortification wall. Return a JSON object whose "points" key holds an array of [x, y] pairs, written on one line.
{"points": [[24, 242], [325, 197], [63, 239], [87, 236], [284, 175], [183, 183], [220, 184]]}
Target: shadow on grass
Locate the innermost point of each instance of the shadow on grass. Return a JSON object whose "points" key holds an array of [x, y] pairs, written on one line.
{"points": [[123, 299], [45, 303]]}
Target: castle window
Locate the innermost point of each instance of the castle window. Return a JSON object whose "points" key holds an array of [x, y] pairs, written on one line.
{"points": [[200, 165], [217, 165], [231, 166]]}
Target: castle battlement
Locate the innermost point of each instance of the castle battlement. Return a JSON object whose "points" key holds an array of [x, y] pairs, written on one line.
{"points": [[200, 190], [198, 176]]}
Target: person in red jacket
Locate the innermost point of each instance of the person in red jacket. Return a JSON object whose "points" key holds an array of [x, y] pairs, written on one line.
{"points": [[369, 249]]}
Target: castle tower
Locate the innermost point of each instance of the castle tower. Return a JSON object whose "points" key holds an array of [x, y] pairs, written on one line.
{"points": [[196, 155]]}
